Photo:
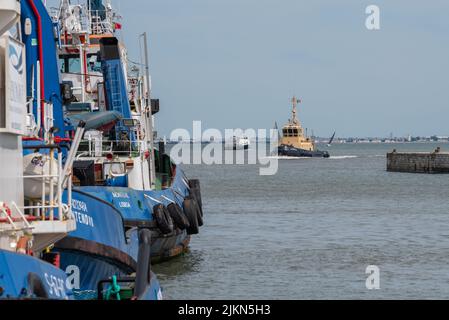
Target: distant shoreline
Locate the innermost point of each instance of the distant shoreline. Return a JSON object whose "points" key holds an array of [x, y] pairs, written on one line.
{"points": [[324, 142]]}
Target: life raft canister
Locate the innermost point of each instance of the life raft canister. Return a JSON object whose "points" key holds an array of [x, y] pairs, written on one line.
{"points": [[178, 217], [163, 219], [191, 210]]}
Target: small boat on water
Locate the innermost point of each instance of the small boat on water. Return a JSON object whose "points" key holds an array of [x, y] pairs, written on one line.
{"points": [[293, 142], [237, 143]]}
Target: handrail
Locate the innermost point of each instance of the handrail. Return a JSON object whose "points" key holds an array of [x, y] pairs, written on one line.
{"points": [[52, 185], [11, 221], [43, 146], [134, 146], [151, 198], [168, 199], [21, 215]]}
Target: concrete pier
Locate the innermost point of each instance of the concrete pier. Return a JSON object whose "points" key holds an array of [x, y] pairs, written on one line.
{"points": [[418, 162]]}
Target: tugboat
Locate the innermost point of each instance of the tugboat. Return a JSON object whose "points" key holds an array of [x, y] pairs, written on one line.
{"points": [[27, 227], [119, 162], [102, 257], [131, 203], [293, 142]]}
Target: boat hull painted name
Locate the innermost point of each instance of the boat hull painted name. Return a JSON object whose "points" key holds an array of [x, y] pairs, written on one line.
{"points": [[80, 211]]}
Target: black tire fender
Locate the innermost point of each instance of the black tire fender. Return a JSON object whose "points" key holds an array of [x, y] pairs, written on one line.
{"points": [[163, 219], [36, 288], [195, 191], [199, 216], [179, 218], [191, 212]]}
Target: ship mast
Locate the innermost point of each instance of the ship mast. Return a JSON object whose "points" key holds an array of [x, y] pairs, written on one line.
{"points": [[294, 120]]}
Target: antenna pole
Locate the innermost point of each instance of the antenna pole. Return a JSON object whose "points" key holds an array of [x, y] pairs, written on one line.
{"points": [[294, 102], [149, 114]]}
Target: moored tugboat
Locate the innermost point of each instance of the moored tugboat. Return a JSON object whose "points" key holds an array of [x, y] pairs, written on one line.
{"points": [[129, 203], [123, 184], [32, 213], [118, 161], [293, 142], [100, 258]]}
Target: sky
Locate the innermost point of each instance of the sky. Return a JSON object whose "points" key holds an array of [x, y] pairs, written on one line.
{"points": [[236, 63]]}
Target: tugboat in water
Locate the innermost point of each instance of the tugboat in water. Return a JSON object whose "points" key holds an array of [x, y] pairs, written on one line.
{"points": [[294, 143]]}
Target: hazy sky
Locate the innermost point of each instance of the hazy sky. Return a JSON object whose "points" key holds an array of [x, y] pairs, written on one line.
{"points": [[236, 63]]}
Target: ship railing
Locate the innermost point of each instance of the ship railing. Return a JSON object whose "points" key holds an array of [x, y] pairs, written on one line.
{"points": [[50, 200], [94, 22], [13, 218], [98, 25], [96, 147]]}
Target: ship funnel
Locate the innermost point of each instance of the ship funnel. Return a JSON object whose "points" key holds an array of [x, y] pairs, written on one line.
{"points": [[9, 14]]}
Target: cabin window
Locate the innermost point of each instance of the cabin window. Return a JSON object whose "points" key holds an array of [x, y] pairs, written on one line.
{"points": [[74, 65], [62, 64], [93, 63], [70, 63], [295, 132]]}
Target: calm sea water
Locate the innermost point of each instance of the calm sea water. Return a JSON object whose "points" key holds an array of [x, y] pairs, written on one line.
{"points": [[311, 230]]}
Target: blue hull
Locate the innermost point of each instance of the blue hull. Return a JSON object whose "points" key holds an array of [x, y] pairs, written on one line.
{"points": [[26, 277], [94, 206], [290, 151], [99, 248], [105, 242], [84, 272]]}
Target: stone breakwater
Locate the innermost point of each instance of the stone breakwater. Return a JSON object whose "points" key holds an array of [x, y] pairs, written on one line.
{"points": [[418, 162]]}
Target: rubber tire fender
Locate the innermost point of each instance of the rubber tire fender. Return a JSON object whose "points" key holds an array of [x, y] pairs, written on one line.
{"points": [[195, 191], [191, 212], [36, 288], [178, 217], [163, 219], [199, 216]]}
